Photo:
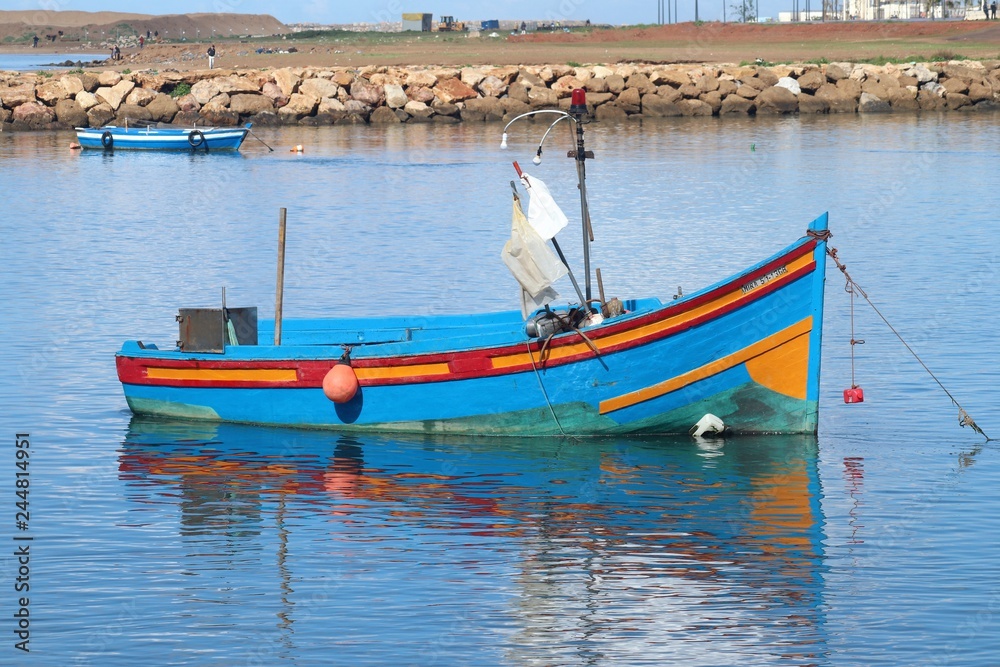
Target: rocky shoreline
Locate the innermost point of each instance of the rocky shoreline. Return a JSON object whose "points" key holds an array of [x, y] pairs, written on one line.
{"points": [[381, 94]]}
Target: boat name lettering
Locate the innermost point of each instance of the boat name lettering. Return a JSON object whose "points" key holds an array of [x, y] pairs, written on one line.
{"points": [[764, 279]]}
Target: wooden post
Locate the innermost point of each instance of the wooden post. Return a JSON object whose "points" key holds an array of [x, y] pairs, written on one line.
{"points": [[281, 276]]}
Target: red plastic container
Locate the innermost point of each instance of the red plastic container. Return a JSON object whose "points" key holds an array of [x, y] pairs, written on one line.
{"points": [[854, 395]]}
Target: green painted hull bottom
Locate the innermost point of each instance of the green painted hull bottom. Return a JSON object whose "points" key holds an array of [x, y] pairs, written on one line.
{"points": [[750, 408]]}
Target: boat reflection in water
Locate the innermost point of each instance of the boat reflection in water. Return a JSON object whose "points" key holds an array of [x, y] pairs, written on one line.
{"points": [[646, 549]]}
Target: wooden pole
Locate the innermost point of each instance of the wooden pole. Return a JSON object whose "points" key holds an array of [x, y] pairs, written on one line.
{"points": [[281, 276]]}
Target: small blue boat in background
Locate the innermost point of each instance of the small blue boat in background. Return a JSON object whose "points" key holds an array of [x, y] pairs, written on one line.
{"points": [[162, 138]]}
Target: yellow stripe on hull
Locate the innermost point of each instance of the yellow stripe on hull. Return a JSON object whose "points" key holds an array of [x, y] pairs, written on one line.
{"points": [[224, 374], [798, 332]]}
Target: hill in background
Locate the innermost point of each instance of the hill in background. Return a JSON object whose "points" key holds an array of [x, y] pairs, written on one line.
{"points": [[19, 26]]}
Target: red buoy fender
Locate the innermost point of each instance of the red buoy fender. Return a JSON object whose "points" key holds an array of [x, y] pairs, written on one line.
{"points": [[340, 383]]}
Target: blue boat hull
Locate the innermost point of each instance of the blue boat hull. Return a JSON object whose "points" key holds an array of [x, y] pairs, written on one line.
{"points": [[161, 139], [746, 350]]}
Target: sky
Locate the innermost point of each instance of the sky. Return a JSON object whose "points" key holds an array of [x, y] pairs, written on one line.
{"points": [[615, 12]]}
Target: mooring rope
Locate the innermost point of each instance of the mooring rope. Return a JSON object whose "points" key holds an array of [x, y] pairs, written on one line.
{"points": [[542, 387], [964, 419]]}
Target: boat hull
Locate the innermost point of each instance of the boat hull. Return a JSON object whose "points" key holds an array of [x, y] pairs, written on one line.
{"points": [[746, 350], [161, 139]]}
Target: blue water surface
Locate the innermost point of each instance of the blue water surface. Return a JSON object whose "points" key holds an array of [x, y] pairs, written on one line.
{"points": [[43, 61], [177, 543]]}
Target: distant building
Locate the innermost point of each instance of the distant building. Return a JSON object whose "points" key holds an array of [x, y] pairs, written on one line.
{"points": [[418, 22]]}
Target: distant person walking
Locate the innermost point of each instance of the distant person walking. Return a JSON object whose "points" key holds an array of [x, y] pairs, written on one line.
{"points": [[211, 56], [142, 41], [34, 41], [993, 10]]}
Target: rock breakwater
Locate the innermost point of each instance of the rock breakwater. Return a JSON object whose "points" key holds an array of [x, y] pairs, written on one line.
{"points": [[326, 96]]}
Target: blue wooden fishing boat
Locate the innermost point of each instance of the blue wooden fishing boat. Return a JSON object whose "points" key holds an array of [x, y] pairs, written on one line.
{"points": [[163, 138], [742, 355]]}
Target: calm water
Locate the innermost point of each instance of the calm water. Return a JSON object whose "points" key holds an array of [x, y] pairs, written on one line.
{"points": [[37, 61], [170, 543]]}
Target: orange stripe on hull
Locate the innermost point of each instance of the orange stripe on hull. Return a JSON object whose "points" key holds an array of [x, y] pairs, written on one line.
{"points": [[224, 374], [761, 348]]}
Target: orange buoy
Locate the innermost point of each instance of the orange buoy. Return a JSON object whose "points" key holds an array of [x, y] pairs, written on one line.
{"points": [[74, 146], [340, 383], [297, 148]]}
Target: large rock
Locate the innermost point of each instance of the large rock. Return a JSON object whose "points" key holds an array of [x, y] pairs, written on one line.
{"points": [[955, 85], [483, 108], [610, 112], [735, 104], [421, 94], [564, 86], [514, 107], [140, 97], [383, 115], [812, 104], [395, 97], [789, 83], [115, 95], [205, 90], [418, 111], [162, 108], [616, 83], [835, 73], [331, 105], [930, 100], [274, 93], [471, 76], [287, 80], [248, 104], [17, 95], [776, 100], [132, 112], [236, 84], [694, 107], [90, 81], [100, 115], [298, 106], [642, 83], [108, 78], [367, 93], [837, 100], [515, 91], [219, 116], [539, 97], [188, 103], [979, 92], [658, 107], [747, 92], [811, 81], [318, 88], [86, 100], [921, 74], [421, 78], [954, 101], [492, 86], [630, 100], [453, 90], [32, 115], [903, 99], [596, 85], [343, 78], [871, 104], [70, 113], [671, 77], [51, 92]]}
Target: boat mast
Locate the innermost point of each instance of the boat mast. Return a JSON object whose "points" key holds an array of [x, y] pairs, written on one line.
{"points": [[578, 109]]}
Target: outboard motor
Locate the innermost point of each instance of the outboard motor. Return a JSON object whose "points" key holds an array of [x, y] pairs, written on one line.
{"points": [[545, 323]]}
